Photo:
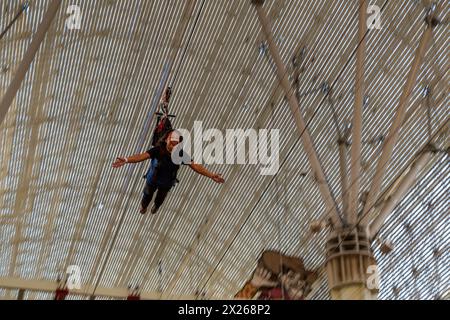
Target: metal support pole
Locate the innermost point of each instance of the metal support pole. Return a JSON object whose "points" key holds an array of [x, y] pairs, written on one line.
{"points": [[28, 58], [397, 122], [299, 121], [355, 168]]}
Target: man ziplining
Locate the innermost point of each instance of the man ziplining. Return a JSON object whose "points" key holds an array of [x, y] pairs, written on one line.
{"points": [[162, 174]]}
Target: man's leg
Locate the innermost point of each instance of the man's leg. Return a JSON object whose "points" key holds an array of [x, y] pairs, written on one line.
{"points": [[147, 197], [160, 197]]}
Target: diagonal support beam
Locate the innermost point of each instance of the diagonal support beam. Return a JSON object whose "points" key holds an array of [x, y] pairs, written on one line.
{"points": [[28, 58], [318, 172], [355, 168], [406, 183], [394, 131]]}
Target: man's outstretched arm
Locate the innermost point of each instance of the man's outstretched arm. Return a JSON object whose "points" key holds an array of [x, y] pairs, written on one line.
{"points": [[204, 172], [120, 161]]}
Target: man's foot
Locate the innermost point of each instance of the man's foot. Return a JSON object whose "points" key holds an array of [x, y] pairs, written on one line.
{"points": [[143, 210], [154, 210]]}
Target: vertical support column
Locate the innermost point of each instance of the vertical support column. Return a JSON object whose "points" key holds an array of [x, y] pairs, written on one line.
{"points": [[28, 58], [355, 167]]}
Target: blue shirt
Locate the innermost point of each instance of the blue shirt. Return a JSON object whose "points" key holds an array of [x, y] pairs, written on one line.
{"points": [[162, 171]]}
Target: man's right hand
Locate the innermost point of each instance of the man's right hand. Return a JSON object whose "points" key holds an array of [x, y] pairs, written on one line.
{"points": [[119, 162]]}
